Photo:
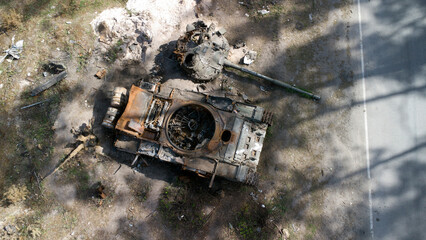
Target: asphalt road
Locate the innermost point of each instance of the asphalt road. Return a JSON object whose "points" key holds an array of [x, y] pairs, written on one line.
{"points": [[394, 50]]}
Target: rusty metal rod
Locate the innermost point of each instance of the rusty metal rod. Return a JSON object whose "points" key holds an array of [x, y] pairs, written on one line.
{"points": [[282, 84]]}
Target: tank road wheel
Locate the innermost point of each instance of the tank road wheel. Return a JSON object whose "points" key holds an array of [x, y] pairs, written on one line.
{"points": [[267, 117], [119, 97], [110, 118], [252, 178]]}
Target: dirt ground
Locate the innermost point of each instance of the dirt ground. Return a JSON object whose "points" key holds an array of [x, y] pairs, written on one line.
{"points": [[302, 42]]}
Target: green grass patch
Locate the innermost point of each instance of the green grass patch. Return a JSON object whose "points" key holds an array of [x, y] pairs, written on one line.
{"points": [[114, 51], [251, 221], [181, 207]]}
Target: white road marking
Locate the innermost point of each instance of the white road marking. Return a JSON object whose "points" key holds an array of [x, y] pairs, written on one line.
{"points": [[367, 150]]}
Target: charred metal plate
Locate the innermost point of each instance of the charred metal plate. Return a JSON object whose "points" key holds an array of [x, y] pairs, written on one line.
{"points": [[135, 112]]}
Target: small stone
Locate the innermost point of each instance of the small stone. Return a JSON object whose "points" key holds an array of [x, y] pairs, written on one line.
{"points": [[10, 229], [286, 233], [263, 11], [299, 26], [230, 226], [239, 44], [133, 47], [249, 57], [263, 205], [99, 150]]}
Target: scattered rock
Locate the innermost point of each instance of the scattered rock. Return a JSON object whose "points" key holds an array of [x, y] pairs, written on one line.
{"points": [[239, 44], [263, 11], [249, 57], [100, 150], [245, 98], [117, 25], [286, 233], [10, 229], [299, 26]]}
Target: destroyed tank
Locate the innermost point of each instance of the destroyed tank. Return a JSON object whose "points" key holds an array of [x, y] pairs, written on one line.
{"points": [[210, 135], [202, 52]]}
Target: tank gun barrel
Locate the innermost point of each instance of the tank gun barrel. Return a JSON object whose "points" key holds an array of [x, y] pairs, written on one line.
{"points": [[227, 63]]}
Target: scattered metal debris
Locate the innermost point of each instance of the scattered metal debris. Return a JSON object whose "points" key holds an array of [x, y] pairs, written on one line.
{"points": [[15, 50], [35, 104], [52, 81], [101, 74], [119, 167], [60, 73], [101, 191]]}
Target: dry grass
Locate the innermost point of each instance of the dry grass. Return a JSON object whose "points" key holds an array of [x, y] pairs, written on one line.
{"points": [[15, 194], [10, 19]]}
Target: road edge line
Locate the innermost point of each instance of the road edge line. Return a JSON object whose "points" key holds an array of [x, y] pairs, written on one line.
{"points": [[367, 146]]}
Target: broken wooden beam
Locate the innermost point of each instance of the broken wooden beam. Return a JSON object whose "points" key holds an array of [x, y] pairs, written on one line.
{"points": [[71, 155]]}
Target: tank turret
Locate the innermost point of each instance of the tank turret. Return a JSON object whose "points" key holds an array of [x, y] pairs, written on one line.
{"points": [[202, 52]]}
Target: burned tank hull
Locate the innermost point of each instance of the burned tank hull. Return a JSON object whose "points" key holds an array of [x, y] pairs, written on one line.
{"points": [[210, 135]]}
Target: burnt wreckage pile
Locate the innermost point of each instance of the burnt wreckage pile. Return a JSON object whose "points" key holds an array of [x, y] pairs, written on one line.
{"points": [[210, 135]]}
